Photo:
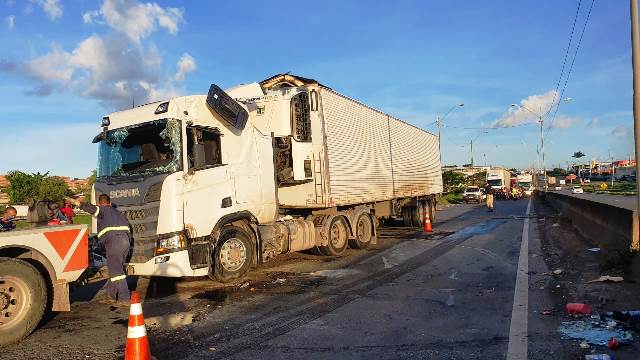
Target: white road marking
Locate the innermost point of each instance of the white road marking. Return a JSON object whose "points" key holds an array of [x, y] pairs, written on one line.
{"points": [[387, 264], [518, 342]]}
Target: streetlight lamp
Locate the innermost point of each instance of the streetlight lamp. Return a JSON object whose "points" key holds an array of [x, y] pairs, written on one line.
{"points": [[541, 121], [439, 125]]}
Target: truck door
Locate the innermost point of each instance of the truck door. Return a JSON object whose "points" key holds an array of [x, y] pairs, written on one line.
{"points": [[208, 189]]}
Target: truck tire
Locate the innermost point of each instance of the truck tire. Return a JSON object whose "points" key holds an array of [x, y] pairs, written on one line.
{"points": [[338, 238], [23, 297], [431, 207], [406, 216], [363, 232], [417, 214], [232, 255]]}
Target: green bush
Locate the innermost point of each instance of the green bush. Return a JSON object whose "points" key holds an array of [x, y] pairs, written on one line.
{"points": [[26, 187]]}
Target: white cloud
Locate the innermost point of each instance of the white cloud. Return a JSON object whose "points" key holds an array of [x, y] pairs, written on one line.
{"points": [[137, 20], [110, 69], [51, 7], [115, 68], [88, 17], [11, 22], [564, 122], [538, 104], [186, 64], [593, 122]]}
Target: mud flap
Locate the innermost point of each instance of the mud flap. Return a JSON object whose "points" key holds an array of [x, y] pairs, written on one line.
{"points": [[61, 296], [200, 252]]}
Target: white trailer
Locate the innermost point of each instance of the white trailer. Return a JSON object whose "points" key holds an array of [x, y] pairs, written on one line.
{"points": [[499, 178], [216, 183], [36, 267]]}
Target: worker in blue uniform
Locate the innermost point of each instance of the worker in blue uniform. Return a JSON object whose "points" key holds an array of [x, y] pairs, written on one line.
{"points": [[114, 234]]}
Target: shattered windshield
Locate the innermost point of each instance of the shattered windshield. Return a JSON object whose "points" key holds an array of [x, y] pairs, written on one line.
{"points": [[145, 149]]}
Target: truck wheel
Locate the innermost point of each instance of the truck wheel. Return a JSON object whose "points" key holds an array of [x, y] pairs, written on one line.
{"points": [[364, 234], [406, 216], [417, 214], [232, 255], [430, 206], [338, 238], [23, 296]]}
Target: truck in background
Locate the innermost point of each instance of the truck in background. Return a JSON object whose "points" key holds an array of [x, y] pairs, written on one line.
{"points": [[36, 268], [499, 178], [525, 182], [215, 184]]}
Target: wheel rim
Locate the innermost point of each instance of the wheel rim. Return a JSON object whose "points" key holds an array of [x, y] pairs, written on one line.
{"points": [[14, 300], [363, 229], [233, 254], [338, 237]]}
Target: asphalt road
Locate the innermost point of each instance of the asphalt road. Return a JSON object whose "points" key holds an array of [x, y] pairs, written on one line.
{"points": [[462, 292]]}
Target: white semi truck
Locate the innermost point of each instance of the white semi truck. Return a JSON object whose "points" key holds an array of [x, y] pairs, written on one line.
{"points": [[499, 178], [214, 184], [525, 181]]}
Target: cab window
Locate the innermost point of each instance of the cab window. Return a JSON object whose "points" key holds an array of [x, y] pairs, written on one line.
{"points": [[203, 148]]}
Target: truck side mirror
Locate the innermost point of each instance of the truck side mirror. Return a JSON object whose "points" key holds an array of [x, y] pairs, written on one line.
{"points": [[222, 104]]}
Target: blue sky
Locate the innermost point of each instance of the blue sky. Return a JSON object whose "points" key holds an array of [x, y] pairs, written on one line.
{"points": [[66, 63]]}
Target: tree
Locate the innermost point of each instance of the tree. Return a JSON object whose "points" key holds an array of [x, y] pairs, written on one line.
{"points": [[86, 190], [452, 181], [578, 154], [478, 179], [557, 172], [26, 187]]}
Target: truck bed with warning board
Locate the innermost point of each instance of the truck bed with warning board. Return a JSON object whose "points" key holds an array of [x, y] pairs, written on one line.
{"points": [[36, 267]]}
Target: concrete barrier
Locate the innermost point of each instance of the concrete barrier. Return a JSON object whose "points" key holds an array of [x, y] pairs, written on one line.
{"points": [[612, 228]]}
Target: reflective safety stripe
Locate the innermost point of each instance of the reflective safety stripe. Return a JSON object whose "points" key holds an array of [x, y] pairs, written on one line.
{"points": [[112, 228], [117, 278], [97, 211], [135, 309], [135, 332]]}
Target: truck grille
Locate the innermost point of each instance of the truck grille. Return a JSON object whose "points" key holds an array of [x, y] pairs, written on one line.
{"points": [[144, 225]]}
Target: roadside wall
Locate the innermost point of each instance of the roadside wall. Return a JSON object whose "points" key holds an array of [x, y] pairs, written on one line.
{"points": [[609, 226]]}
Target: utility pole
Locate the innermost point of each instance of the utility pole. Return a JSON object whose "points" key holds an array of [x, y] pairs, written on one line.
{"points": [[635, 56], [471, 152], [544, 164], [613, 170]]}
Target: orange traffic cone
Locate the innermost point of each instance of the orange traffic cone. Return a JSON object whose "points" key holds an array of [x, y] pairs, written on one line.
{"points": [[427, 222], [137, 341]]}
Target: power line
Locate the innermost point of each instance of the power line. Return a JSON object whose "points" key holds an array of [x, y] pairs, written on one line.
{"points": [[564, 61], [575, 55]]}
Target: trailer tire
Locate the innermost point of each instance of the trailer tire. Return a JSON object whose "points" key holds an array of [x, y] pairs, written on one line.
{"points": [[338, 238], [23, 297], [232, 255], [417, 215], [431, 207], [363, 232], [406, 216]]}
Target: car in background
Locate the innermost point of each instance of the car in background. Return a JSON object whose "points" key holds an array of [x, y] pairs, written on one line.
{"points": [[577, 190], [473, 193]]}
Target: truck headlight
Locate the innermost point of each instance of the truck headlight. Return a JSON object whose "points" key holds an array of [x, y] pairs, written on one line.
{"points": [[170, 243]]}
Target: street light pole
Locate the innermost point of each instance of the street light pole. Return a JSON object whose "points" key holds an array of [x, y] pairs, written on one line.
{"points": [[439, 126], [544, 164]]}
